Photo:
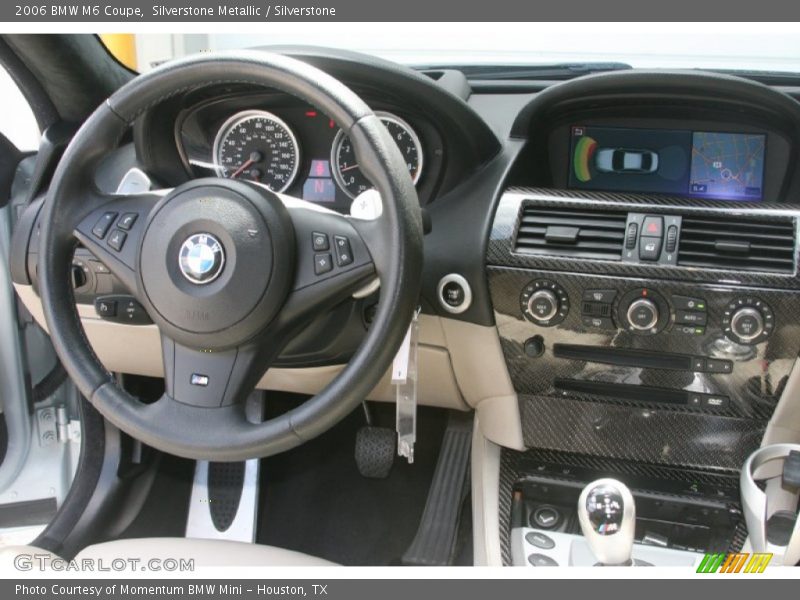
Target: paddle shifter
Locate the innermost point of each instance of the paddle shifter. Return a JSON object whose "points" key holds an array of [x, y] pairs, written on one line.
{"points": [[607, 515]]}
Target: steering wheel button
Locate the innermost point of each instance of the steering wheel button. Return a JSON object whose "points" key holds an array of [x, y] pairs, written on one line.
{"points": [[344, 254], [127, 220], [320, 241], [323, 263], [117, 239], [103, 224]]}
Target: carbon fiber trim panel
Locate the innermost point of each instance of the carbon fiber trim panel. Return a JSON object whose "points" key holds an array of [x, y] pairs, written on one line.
{"points": [[651, 436], [501, 242], [508, 475], [754, 386]]}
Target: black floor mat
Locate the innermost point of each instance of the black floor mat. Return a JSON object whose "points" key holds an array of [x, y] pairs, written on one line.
{"points": [[313, 499], [165, 510]]}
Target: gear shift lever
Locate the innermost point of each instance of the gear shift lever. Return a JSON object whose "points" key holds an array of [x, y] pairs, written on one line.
{"points": [[607, 515]]}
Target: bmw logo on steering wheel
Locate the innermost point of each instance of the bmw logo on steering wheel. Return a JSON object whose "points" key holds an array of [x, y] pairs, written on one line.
{"points": [[201, 258]]}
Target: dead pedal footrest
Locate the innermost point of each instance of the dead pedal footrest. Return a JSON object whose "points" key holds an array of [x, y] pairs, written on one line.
{"points": [[435, 542]]}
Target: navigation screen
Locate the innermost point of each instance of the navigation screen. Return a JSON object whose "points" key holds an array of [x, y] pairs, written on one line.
{"points": [[727, 166]]}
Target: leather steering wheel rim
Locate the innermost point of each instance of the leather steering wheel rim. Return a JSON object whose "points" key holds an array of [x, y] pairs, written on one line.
{"points": [[394, 242]]}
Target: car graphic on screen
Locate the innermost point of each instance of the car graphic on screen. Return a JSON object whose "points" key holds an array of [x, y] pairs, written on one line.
{"points": [[625, 160]]}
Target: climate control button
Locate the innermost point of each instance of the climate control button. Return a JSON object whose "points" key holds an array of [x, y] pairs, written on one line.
{"points": [[544, 303]]}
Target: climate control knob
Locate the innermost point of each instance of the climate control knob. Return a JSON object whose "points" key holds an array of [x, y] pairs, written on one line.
{"points": [[544, 302], [748, 321], [747, 324], [643, 311], [642, 314], [543, 305]]}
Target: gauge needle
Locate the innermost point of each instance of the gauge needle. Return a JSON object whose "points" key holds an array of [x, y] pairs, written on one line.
{"points": [[238, 171], [355, 166]]}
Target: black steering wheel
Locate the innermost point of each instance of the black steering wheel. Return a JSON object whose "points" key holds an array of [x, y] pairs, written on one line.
{"points": [[226, 268]]}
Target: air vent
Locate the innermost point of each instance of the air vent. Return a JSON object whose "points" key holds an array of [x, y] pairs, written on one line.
{"points": [[741, 244], [573, 232]]}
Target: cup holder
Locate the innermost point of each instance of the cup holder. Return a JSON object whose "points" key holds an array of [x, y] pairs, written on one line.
{"points": [[765, 495]]}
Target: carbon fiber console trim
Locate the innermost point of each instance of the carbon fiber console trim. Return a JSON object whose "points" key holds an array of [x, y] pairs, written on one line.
{"points": [[650, 436], [681, 483], [758, 375], [501, 242]]}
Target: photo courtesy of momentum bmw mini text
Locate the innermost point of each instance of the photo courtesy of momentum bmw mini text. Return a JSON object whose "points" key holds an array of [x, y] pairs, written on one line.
{"points": [[364, 299]]}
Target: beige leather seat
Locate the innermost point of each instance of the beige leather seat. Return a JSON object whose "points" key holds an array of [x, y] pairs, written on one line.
{"points": [[206, 553]]}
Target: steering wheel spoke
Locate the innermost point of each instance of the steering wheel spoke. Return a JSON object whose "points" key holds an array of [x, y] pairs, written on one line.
{"points": [[213, 379], [112, 232], [332, 260]]}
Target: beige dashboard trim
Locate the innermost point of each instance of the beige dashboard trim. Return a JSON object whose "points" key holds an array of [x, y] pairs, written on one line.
{"points": [[137, 350], [784, 426]]}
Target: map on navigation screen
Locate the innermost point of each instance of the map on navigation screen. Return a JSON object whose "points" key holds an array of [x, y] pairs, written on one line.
{"points": [[727, 165]]}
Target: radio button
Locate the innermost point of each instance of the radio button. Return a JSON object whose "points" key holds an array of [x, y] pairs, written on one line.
{"points": [[698, 364], [714, 365]]}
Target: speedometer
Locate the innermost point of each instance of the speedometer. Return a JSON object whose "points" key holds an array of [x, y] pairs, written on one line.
{"points": [[345, 166], [259, 146]]}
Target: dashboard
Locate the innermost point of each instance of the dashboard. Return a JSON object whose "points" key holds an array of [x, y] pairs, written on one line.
{"points": [[611, 262]]}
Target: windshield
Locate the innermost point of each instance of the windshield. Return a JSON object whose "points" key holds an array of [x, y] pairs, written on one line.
{"points": [[728, 46]]}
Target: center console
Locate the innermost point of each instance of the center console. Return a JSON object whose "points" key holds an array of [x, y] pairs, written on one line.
{"points": [[653, 332]]}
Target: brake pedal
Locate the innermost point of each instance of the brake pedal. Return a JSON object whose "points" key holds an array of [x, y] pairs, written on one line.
{"points": [[375, 451]]}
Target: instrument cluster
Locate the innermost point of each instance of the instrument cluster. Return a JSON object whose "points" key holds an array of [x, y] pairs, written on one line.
{"points": [[298, 150]]}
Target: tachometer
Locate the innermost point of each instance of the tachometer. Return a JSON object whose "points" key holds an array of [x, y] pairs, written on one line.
{"points": [[259, 146], [345, 166]]}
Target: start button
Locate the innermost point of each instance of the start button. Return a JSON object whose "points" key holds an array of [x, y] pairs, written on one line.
{"points": [[454, 293]]}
